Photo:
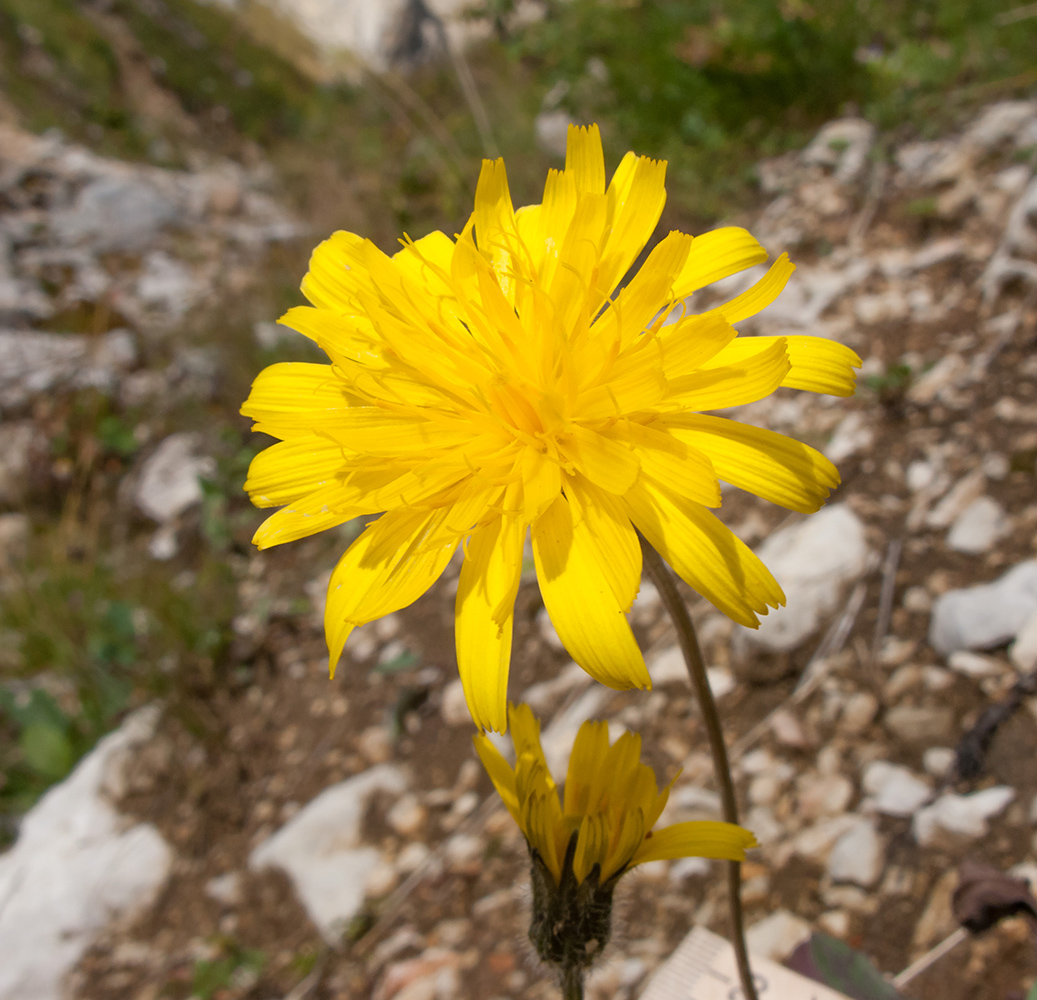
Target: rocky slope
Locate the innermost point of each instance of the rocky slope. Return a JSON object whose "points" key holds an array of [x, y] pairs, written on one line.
{"points": [[338, 839]]}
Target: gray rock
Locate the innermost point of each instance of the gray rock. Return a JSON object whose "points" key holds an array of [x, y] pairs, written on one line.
{"points": [[851, 436], [321, 850], [1000, 122], [987, 615], [552, 129], [33, 363], [963, 493], [920, 723], [169, 478], [1023, 653], [813, 561], [858, 855], [557, 738], [168, 285], [955, 818], [978, 526], [777, 936], [77, 866], [17, 443], [115, 213], [894, 790], [842, 145]]}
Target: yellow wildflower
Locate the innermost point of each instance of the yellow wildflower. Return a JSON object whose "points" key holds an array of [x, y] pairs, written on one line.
{"points": [[603, 825], [493, 384]]}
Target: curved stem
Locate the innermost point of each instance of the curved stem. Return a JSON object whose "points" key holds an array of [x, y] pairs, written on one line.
{"points": [[675, 608]]}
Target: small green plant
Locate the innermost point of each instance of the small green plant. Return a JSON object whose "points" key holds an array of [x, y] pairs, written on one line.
{"points": [[892, 385], [922, 208], [237, 967]]}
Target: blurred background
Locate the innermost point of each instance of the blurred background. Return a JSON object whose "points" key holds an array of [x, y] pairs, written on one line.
{"points": [[166, 167]]}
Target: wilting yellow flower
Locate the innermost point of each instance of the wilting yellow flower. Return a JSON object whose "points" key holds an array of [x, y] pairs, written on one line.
{"points": [[611, 802], [493, 384]]}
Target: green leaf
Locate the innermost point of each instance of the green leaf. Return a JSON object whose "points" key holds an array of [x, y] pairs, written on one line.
{"points": [[1032, 995], [47, 750], [832, 962]]}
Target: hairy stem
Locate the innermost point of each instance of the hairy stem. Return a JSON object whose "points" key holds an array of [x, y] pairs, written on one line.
{"points": [[572, 983], [675, 608]]}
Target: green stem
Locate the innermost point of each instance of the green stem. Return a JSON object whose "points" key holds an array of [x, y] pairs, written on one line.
{"points": [[675, 608], [572, 983]]}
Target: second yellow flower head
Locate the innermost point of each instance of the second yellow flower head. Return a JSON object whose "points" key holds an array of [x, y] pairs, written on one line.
{"points": [[611, 802]]}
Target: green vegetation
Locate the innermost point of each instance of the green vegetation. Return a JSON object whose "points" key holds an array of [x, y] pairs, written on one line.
{"points": [[712, 88], [236, 967]]}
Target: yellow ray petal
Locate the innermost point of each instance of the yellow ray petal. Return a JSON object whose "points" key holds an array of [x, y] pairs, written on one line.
{"points": [[388, 567], [338, 273], [500, 773], [485, 611], [704, 553], [772, 466], [604, 518], [668, 459], [605, 461], [692, 342], [294, 398], [696, 839], [653, 813], [294, 468], [732, 379], [584, 158], [317, 511], [348, 335], [715, 255], [541, 483], [626, 841], [761, 295], [570, 290], [495, 229], [373, 430], [588, 755], [815, 363], [553, 220], [636, 196], [585, 612], [525, 733], [649, 291], [591, 845]]}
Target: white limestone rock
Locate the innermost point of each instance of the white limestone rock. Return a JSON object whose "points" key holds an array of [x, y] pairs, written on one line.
{"points": [[813, 561], [321, 851], [116, 214], [1023, 652], [956, 818], [77, 865], [858, 856], [777, 935], [169, 478], [557, 738], [32, 363], [843, 146], [894, 790], [986, 615], [978, 527]]}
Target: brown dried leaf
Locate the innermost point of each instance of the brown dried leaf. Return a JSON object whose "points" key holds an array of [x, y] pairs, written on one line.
{"points": [[985, 895]]}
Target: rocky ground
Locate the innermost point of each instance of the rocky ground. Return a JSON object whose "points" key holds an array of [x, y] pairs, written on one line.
{"points": [[289, 836]]}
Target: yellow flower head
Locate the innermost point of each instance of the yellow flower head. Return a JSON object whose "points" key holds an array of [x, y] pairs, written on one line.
{"points": [[491, 384], [611, 802]]}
